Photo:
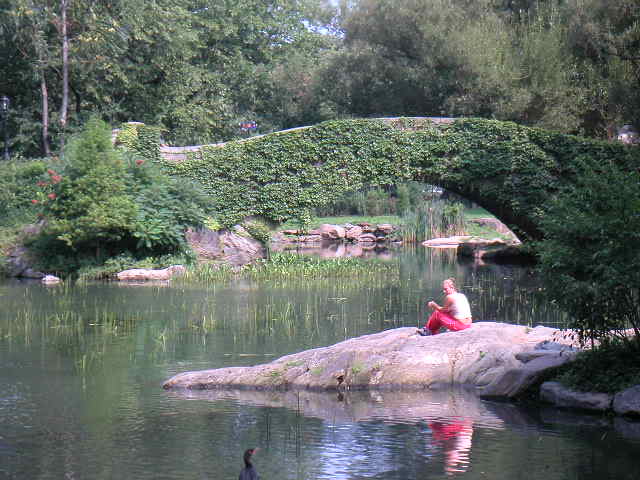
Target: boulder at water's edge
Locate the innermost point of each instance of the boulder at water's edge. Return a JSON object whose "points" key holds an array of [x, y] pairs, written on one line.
{"points": [[495, 359]]}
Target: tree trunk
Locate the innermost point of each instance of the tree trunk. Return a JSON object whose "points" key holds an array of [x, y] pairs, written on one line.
{"points": [[45, 113], [64, 4]]}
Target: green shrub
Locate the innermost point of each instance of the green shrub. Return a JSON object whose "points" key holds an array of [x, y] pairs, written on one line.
{"points": [[90, 207], [590, 258], [166, 207], [18, 187], [610, 368], [103, 203]]}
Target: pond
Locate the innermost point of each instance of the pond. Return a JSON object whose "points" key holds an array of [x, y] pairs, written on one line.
{"points": [[82, 368]]}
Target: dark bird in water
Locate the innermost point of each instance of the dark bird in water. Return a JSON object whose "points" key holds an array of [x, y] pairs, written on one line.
{"points": [[249, 472]]}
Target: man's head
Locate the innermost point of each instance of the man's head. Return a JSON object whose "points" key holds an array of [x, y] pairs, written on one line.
{"points": [[449, 286], [247, 456]]}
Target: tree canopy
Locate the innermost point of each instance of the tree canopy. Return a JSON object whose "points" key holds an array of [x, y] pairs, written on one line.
{"points": [[196, 68]]}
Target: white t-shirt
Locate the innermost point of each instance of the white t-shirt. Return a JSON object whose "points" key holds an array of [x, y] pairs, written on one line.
{"points": [[460, 308]]}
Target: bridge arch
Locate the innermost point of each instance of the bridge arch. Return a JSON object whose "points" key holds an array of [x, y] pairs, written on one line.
{"points": [[509, 169]]}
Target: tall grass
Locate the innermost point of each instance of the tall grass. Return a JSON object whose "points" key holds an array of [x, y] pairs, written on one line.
{"points": [[432, 219], [290, 266]]}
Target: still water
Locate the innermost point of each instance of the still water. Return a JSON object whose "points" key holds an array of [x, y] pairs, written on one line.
{"points": [[82, 368]]}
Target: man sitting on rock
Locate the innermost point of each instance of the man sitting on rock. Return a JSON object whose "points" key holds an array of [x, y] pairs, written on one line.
{"points": [[454, 315]]}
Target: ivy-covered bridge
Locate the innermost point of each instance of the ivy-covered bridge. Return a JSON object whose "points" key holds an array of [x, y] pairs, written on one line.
{"points": [[509, 169]]}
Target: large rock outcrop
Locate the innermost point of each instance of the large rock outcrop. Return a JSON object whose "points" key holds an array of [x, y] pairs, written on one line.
{"points": [[231, 247], [495, 359]]}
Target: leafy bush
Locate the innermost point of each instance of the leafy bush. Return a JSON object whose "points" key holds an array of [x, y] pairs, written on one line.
{"points": [[590, 257], [90, 206], [103, 203], [611, 368], [166, 206], [18, 187]]}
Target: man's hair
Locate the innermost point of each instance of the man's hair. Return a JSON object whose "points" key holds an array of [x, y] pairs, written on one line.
{"points": [[247, 456]]}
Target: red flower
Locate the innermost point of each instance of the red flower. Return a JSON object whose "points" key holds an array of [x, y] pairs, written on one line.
{"points": [[52, 196], [34, 201], [42, 183], [56, 178], [51, 172], [139, 162]]}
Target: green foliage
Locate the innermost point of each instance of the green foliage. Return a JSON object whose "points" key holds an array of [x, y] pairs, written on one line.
{"points": [[280, 176], [91, 205], [101, 204], [258, 230], [139, 138], [166, 206], [18, 187], [589, 256], [285, 265], [432, 219], [508, 169], [196, 70], [609, 368]]}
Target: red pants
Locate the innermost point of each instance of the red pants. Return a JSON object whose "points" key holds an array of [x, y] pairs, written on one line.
{"points": [[440, 319]]}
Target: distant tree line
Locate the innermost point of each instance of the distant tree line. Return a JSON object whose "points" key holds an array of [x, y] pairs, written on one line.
{"points": [[197, 68]]}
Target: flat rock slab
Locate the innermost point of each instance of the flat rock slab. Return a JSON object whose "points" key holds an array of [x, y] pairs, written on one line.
{"points": [[496, 359]]}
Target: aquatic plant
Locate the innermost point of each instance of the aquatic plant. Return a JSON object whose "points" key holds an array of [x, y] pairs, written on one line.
{"points": [[432, 219]]}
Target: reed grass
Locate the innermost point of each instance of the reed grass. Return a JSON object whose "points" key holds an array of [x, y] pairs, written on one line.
{"points": [[432, 219]]}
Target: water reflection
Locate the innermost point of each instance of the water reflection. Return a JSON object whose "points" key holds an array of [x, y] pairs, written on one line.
{"points": [[340, 250], [362, 406], [454, 437], [445, 418]]}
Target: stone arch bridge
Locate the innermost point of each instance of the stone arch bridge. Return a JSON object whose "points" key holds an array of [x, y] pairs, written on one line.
{"points": [[509, 169]]}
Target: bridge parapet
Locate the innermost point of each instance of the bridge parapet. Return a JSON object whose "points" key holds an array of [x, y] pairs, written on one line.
{"points": [[179, 154]]}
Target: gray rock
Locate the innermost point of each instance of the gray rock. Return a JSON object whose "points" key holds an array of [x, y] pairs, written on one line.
{"points": [[332, 232], [480, 357], [627, 402], [494, 249], [367, 238], [143, 274], [31, 273], [446, 241], [51, 280], [519, 377], [225, 246], [385, 229], [354, 233], [627, 428], [16, 262], [497, 225], [561, 396]]}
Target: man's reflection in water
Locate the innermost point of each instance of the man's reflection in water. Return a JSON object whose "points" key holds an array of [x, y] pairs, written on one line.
{"points": [[454, 437]]}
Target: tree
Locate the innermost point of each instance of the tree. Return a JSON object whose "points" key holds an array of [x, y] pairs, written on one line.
{"points": [[90, 207], [589, 256], [397, 59]]}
